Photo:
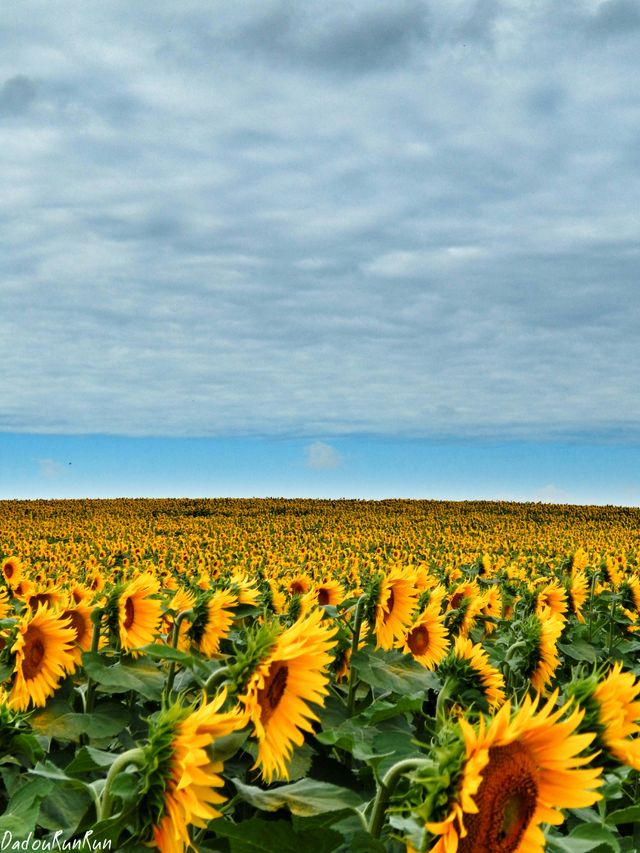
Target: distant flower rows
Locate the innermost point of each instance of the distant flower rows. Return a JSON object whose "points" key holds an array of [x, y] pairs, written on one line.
{"points": [[408, 676]]}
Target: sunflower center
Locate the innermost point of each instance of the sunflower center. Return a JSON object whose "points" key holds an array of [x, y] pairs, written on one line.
{"points": [[34, 651], [323, 596], [77, 623], [391, 599], [456, 600], [270, 695], [296, 588], [418, 640], [40, 598], [506, 800], [8, 570], [129, 613]]}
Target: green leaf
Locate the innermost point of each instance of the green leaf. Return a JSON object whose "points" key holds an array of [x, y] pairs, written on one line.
{"points": [[158, 651], [23, 807], [64, 808], [89, 759], [57, 720], [223, 748], [136, 675], [261, 836], [304, 798], [393, 671], [629, 815], [579, 650], [599, 834]]}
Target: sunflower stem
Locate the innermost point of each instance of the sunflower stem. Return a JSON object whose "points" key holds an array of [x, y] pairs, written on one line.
{"points": [[612, 613], [132, 756], [386, 789], [591, 595], [448, 688], [215, 679], [357, 625], [175, 636], [96, 618]]}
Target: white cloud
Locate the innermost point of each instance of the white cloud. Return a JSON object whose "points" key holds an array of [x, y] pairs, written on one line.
{"points": [[320, 219], [50, 468], [322, 456]]}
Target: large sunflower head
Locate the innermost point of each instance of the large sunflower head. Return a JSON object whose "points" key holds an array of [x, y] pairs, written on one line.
{"points": [[396, 601], [293, 674], [612, 710], [43, 649], [12, 571], [179, 777], [79, 618], [553, 597], [521, 769], [427, 639], [134, 612], [471, 677], [212, 620]]}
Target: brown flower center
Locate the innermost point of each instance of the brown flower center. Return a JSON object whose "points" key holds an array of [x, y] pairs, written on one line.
{"points": [[274, 686], [296, 588], [418, 640], [323, 596], [34, 651], [391, 600], [8, 570], [77, 623], [506, 800], [129, 613], [40, 598], [456, 600]]}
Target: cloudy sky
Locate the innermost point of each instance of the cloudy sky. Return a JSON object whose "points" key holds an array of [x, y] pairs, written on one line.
{"points": [[377, 247]]}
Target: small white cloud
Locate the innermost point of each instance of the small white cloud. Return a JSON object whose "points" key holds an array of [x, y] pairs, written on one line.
{"points": [[49, 468], [322, 456], [552, 494]]}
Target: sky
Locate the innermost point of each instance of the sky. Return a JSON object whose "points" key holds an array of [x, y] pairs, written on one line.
{"points": [[370, 249]]}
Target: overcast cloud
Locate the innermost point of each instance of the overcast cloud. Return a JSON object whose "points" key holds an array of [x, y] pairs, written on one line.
{"points": [[320, 218]]}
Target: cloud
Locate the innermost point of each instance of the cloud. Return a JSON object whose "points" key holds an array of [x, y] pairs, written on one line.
{"points": [[322, 456], [16, 94], [320, 219], [50, 468]]}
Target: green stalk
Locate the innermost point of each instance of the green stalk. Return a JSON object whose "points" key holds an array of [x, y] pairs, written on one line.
{"points": [[591, 594], [448, 688], [612, 613], [175, 635], [357, 625], [132, 756], [96, 617], [215, 679], [386, 789]]}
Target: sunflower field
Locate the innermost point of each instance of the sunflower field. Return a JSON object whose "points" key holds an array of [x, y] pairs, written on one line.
{"points": [[287, 676]]}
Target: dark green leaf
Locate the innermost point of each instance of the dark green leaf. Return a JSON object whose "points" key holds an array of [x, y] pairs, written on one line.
{"points": [[260, 836], [306, 797]]}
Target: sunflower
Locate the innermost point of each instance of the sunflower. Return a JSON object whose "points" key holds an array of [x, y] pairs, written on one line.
{"points": [[79, 617], [554, 597], [180, 779], [468, 667], [292, 673], [12, 571], [578, 591], [182, 600], [520, 770], [329, 592], [427, 639], [396, 601], [138, 614], [618, 706], [544, 657], [44, 655], [213, 618], [299, 585], [463, 608]]}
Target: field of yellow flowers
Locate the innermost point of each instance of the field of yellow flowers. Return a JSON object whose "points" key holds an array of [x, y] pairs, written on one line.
{"points": [[289, 676]]}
